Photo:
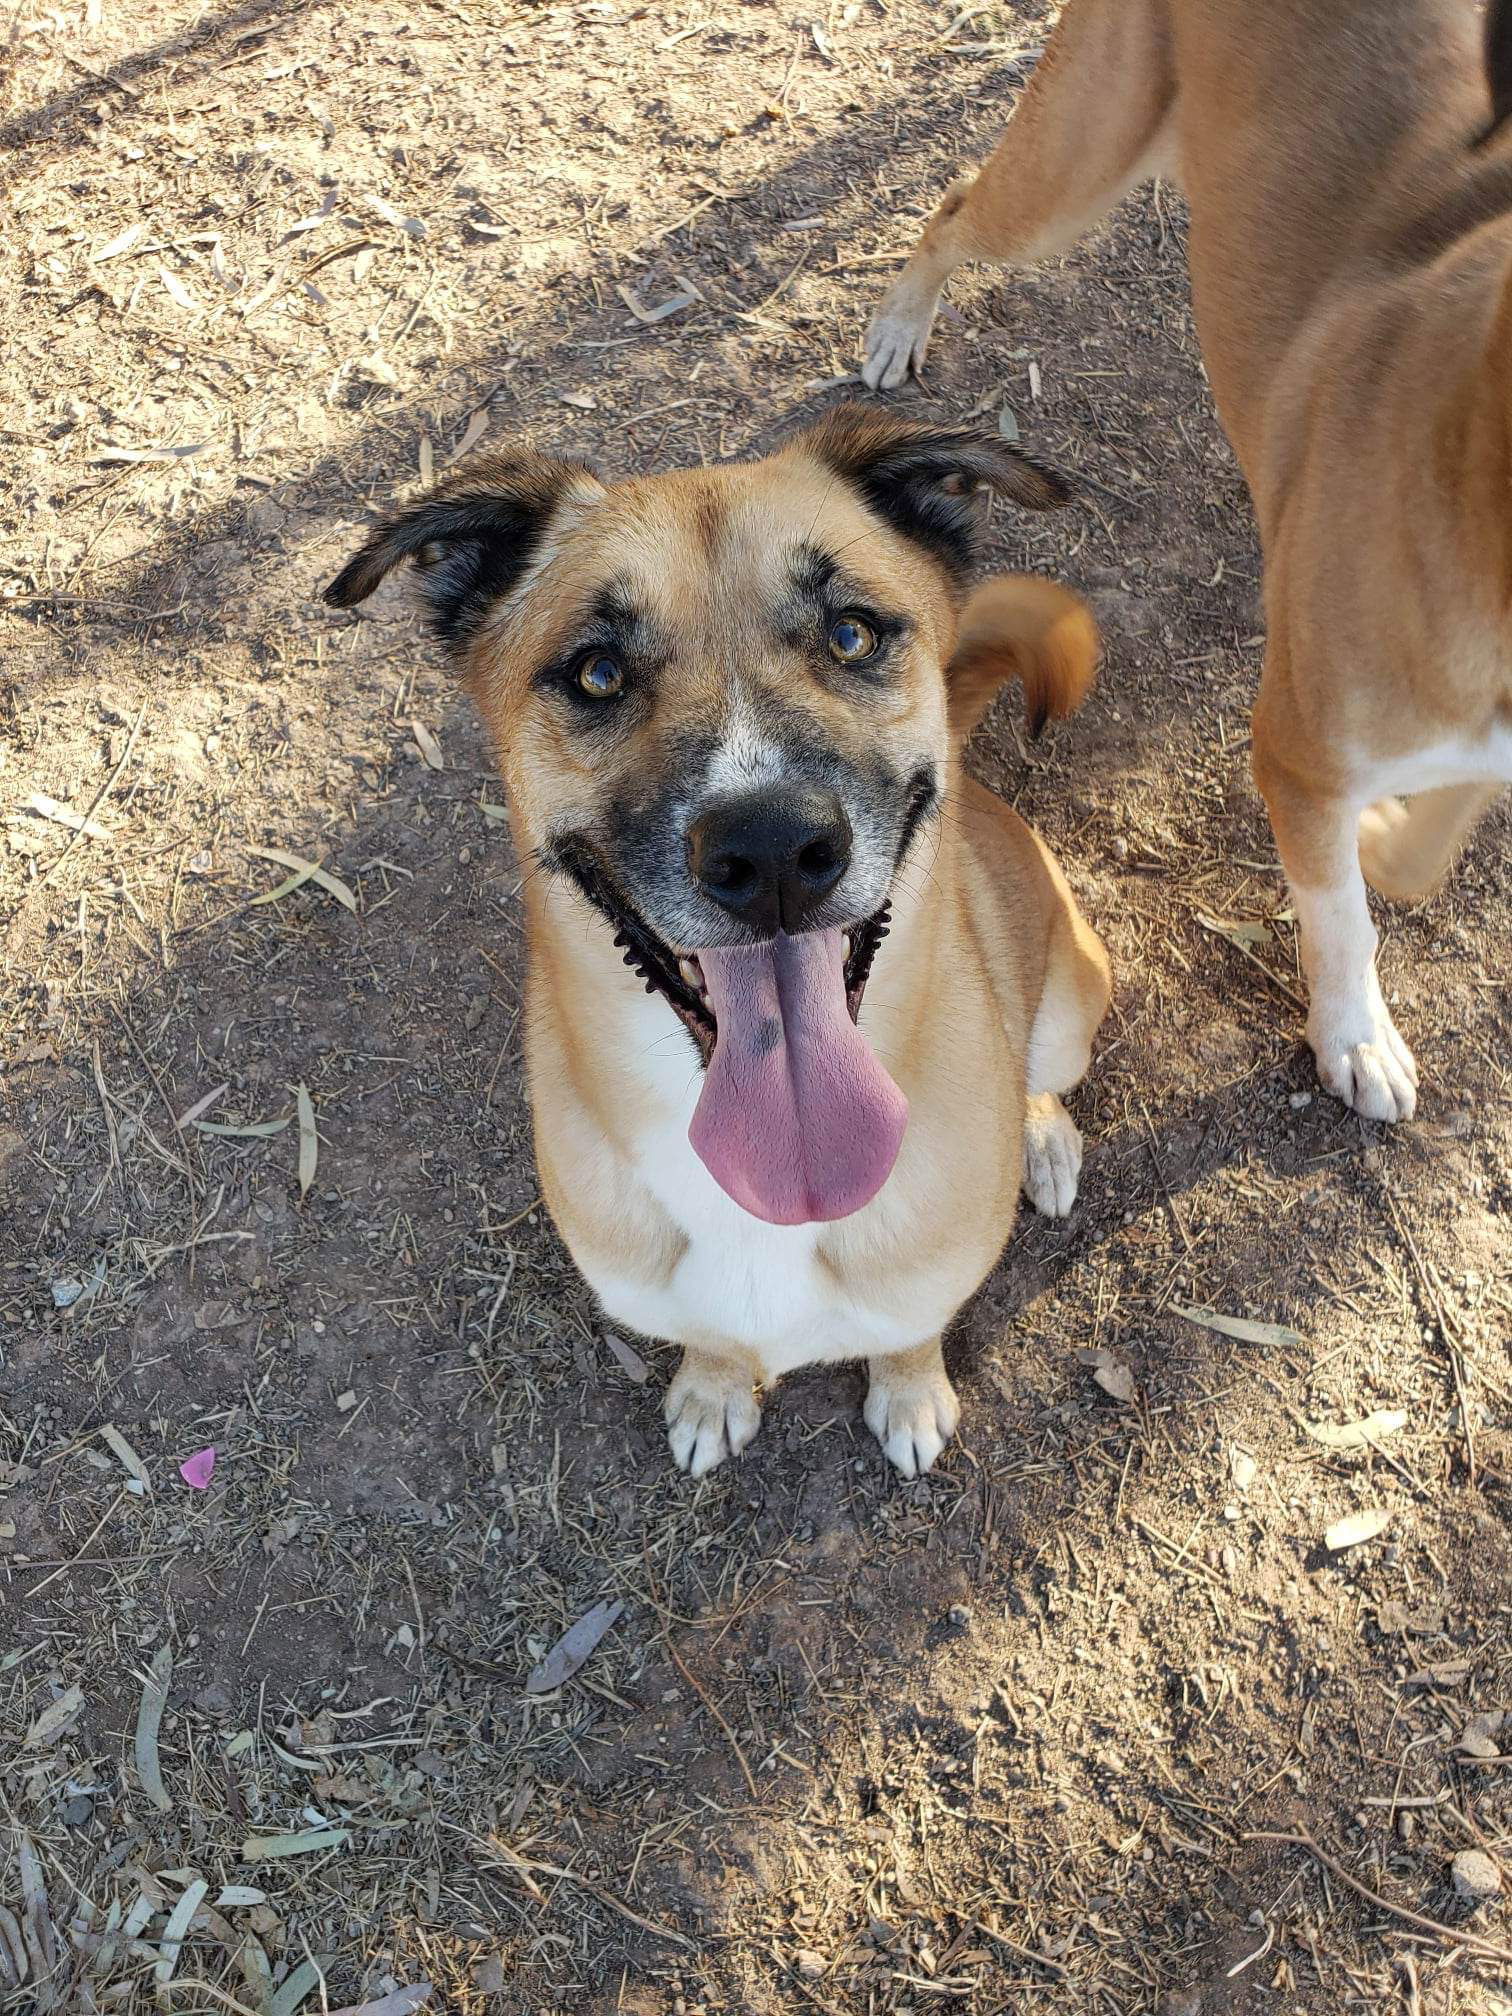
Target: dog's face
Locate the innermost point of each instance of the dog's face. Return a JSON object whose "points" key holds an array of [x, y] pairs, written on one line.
{"points": [[718, 694]]}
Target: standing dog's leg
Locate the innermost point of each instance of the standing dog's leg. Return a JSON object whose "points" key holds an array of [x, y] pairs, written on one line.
{"points": [[1072, 1004], [1087, 129], [911, 1406], [1406, 850], [1361, 1058]]}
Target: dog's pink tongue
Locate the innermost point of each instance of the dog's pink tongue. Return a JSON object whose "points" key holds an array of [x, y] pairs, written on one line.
{"points": [[797, 1119]]}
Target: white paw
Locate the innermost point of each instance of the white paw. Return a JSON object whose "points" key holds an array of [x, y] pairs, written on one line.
{"points": [[1369, 1067], [712, 1412], [913, 1418], [1052, 1155], [897, 339]]}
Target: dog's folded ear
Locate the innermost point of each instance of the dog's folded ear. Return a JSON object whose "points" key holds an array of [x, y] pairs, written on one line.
{"points": [[929, 483], [471, 538], [1017, 626]]}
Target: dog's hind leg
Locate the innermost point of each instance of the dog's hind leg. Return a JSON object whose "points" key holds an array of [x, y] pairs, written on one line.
{"points": [[1406, 849], [1092, 123], [1072, 1004], [1361, 1058]]}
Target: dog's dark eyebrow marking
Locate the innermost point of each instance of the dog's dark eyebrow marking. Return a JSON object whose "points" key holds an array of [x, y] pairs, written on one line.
{"points": [[811, 573]]}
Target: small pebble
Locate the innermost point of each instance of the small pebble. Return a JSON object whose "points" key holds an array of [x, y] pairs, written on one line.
{"points": [[1475, 1876], [1298, 1100]]}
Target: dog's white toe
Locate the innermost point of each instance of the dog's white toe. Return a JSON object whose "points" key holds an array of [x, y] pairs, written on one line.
{"points": [[712, 1413], [1052, 1155], [898, 339], [913, 1417], [1376, 1074]]}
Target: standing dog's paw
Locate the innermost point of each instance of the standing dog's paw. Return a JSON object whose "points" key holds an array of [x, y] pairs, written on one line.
{"points": [[913, 1413], [899, 335], [712, 1412], [1378, 1078], [1052, 1155]]}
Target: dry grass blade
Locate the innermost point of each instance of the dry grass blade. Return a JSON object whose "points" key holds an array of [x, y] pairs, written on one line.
{"points": [[304, 871], [64, 815], [309, 1139], [154, 1700], [119, 1447]]}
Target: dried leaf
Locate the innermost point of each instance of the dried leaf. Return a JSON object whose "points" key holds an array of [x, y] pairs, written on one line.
{"points": [[64, 815], [584, 401], [647, 317], [1446, 1673], [150, 454], [172, 1942], [401, 2002], [396, 217], [192, 1113], [630, 1362], [309, 1139], [429, 747], [116, 1442], [572, 1648], [1355, 1530], [175, 287], [56, 1720], [1008, 425], [149, 1719], [305, 1978], [313, 1841], [1357, 1434], [1245, 1331], [1111, 1374], [305, 871], [122, 242], [1246, 931], [315, 219], [471, 435]]}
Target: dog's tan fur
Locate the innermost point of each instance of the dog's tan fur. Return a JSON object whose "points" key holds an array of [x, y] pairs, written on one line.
{"points": [[1351, 258], [982, 1003]]}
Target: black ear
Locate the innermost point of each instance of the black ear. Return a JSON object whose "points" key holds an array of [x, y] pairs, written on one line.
{"points": [[1498, 66], [471, 538], [927, 482]]}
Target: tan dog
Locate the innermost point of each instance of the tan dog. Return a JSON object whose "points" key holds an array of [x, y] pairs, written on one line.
{"points": [[1351, 257], [729, 706]]}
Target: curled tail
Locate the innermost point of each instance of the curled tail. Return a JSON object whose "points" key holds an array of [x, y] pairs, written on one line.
{"points": [[1017, 626]]}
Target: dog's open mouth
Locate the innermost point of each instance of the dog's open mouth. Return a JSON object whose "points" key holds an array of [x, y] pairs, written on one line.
{"points": [[680, 980], [797, 1119]]}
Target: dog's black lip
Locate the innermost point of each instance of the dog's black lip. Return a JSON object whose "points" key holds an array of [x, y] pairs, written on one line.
{"points": [[657, 964]]}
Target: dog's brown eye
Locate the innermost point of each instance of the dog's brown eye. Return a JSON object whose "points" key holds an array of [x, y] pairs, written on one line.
{"points": [[851, 640], [599, 677]]}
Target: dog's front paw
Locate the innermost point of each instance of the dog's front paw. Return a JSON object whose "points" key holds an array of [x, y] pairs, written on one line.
{"points": [[1375, 1073], [912, 1410], [898, 337], [712, 1412], [1052, 1155]]}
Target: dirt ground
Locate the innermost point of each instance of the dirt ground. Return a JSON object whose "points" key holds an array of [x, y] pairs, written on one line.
{"points": [[1012, 1737]]}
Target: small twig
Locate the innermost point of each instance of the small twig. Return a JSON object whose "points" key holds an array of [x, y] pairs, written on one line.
{"points": [[95, 803], [1440, 1315], [677, 1660], [108, 1513], [1186, 1237], [1455, 1934]]}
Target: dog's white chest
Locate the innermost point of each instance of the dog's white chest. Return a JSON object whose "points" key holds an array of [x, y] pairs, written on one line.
{"points": [[740, 1281]]}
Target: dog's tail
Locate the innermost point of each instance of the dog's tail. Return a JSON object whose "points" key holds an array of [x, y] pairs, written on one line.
{"points": [[1017, 626], [1498, 67]]}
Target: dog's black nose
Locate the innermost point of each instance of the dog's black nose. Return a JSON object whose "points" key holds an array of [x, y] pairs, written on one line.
{"points": [[771, 859]]}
